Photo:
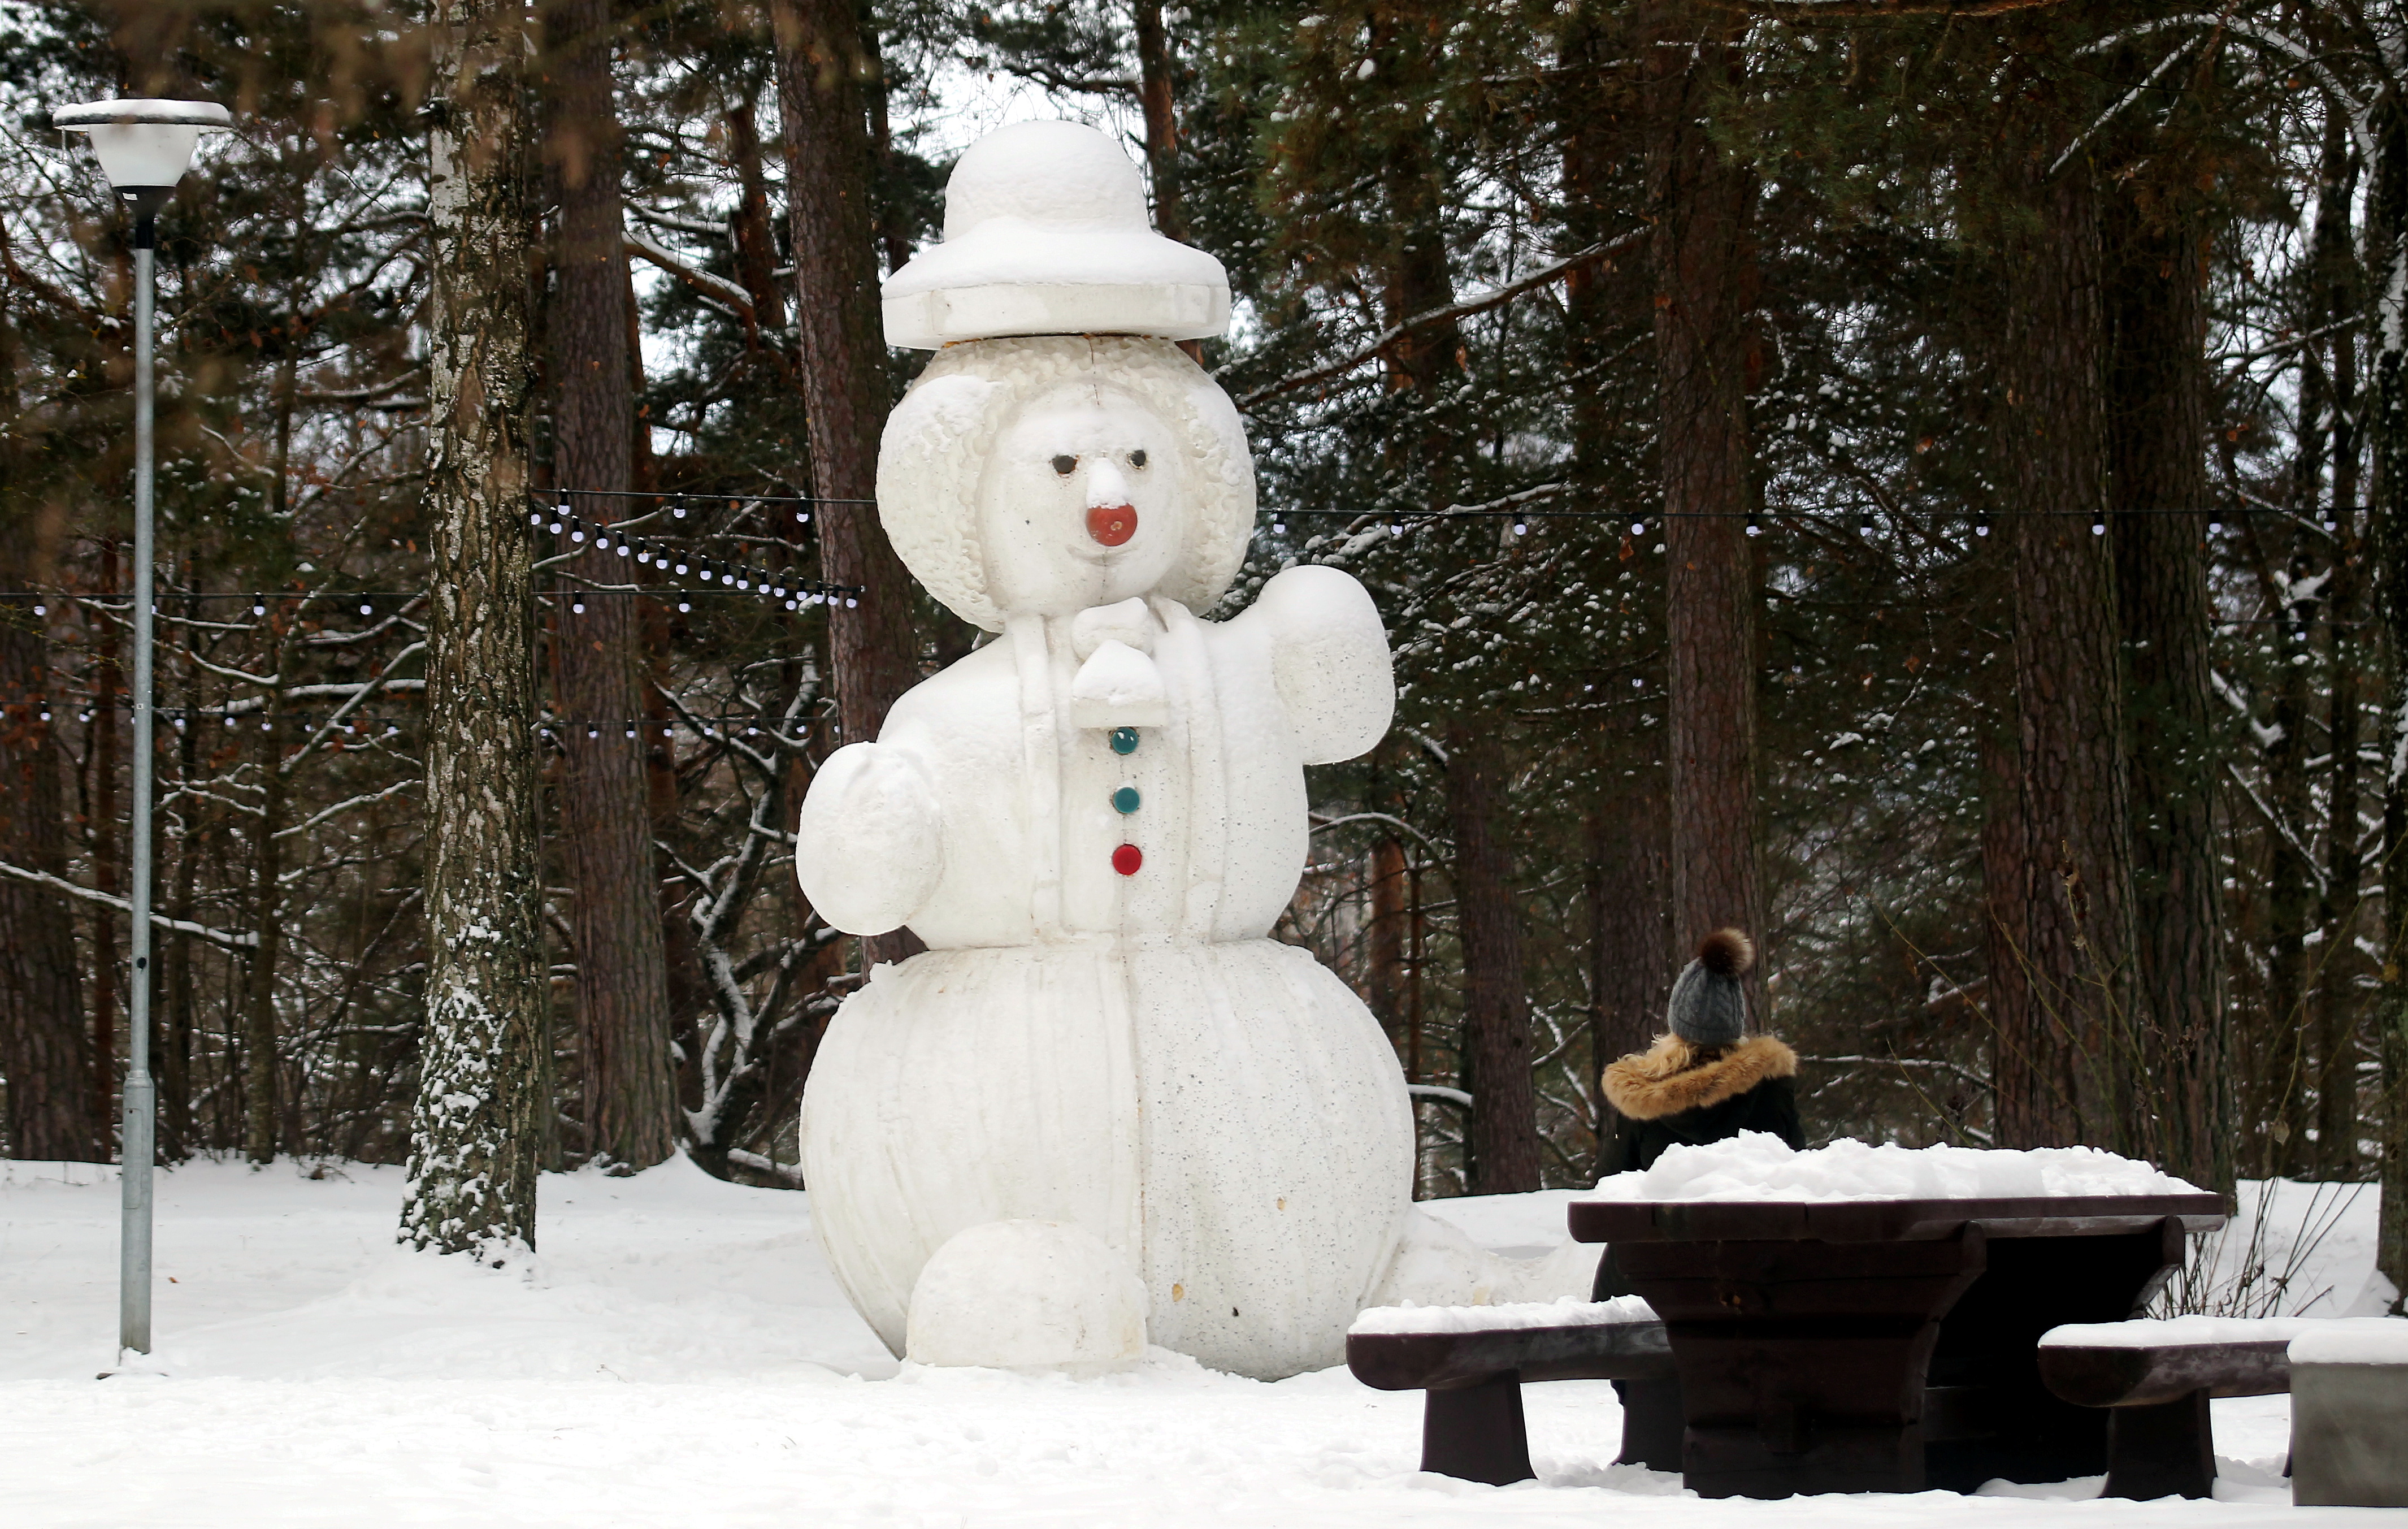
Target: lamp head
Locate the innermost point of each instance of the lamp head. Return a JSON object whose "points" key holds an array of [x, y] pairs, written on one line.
{"points": [[145, 146]]}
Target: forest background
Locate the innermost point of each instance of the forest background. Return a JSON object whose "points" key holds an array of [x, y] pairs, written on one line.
{"points": [[1927, 484]]}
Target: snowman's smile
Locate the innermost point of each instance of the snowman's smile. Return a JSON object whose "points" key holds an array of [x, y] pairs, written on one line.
{"points": [[1111, 525]]}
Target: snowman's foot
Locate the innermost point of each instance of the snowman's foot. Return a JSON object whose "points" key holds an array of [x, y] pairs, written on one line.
{"points": [[1010, 1295]]}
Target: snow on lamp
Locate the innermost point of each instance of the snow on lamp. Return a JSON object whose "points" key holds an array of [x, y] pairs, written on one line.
{"points": [[144, 146]]}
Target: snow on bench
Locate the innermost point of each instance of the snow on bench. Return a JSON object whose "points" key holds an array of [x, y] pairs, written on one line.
{"points": [[1469, 1362], [1567, 1312]]}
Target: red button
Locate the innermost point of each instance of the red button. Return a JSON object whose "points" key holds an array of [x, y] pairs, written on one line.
{"points": [[1126, 858]]}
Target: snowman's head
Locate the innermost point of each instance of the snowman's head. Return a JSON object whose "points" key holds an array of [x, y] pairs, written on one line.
{"points": [[1049, 475]]}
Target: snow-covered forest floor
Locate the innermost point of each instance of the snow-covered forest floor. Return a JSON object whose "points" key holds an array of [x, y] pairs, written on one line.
{"points": [[678, 1354]]}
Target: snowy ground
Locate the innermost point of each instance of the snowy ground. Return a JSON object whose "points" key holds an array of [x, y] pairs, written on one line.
{"points": [[679, 1355]]}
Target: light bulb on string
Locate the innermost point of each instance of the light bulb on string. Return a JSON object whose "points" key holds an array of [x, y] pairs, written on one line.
{"points": [[1982, 525], [1755, 524]]}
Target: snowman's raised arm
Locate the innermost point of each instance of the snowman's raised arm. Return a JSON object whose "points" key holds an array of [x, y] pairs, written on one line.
{"points": [[870, 845], [1330, 658]]}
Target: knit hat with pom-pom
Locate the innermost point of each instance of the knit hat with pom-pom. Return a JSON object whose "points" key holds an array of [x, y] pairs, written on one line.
{"points": [[1709, 1004]]}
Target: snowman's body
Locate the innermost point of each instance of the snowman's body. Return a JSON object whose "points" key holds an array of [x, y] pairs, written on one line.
{"points": [[1094, 822], [1126, 1052]]}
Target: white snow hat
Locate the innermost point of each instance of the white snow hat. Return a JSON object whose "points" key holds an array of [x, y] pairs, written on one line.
{"points": [[1046, 233], [933, 457]]}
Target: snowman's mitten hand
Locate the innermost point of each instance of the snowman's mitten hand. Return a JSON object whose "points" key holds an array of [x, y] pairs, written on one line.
{"points": [[870, 845], [1330, 658]]}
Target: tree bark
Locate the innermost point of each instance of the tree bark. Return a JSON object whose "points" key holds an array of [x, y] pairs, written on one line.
{"points": [[1155, 91], [2018, 1100], [1504, 1137], [2387, 242], [1383, 937], [476, 1131], [1631, 944], [621, 982], [259, 1063], [1705, 267], [100, 762], [2337, 1003], [2079, 939], [822, 65], [43, 1046], [2157, 450]]}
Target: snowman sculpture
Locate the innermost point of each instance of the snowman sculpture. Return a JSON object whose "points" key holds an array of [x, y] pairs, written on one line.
{"points": [[1103, 1108]]}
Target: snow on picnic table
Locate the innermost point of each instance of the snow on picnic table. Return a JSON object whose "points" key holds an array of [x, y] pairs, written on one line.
{"points": [[680, 1355], [1755, 1165]]}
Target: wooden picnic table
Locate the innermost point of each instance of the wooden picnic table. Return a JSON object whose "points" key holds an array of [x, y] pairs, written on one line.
{"points": [[1887, 1345]]}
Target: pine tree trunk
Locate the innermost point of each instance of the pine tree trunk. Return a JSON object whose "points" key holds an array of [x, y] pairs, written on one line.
{"points": [[822, 65], [1703, 206], [261, 1064], [2157, 449], [2386, 240], [621, 982], [1504, 1137], [1383, 937], [44, 1048], [2078, 933], [2338, 995], [476, 1129], [2337, 1005], [1631, 944], [1155, 92], [100, 766], [1630, 952], [2017, 1103]]}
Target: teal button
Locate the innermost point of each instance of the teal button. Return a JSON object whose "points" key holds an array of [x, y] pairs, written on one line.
{"points": [[1123, 741], [1125, 800]]}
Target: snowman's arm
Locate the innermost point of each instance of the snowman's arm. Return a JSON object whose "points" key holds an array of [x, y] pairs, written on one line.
{"points": [[1330, 658], [870, 845]]}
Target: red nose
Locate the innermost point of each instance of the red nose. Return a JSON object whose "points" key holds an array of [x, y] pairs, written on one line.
{"points": [[1112, 524]]}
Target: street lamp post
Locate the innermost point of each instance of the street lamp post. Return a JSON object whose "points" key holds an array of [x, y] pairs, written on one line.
{"points": [[144, 147]]}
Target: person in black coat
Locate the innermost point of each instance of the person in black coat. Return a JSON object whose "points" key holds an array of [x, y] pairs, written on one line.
{"points": [[1705, 1079]]}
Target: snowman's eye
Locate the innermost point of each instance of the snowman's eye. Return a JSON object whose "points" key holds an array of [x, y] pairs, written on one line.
{"points": [[1137, 459], [1066, 465]]}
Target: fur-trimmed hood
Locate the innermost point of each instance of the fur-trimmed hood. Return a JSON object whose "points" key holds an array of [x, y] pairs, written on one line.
{"points": [[1667, 1077]]}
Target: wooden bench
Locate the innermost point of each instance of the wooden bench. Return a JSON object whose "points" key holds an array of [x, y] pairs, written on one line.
{"points": [[2157, 1379], [1471, 1363]]}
